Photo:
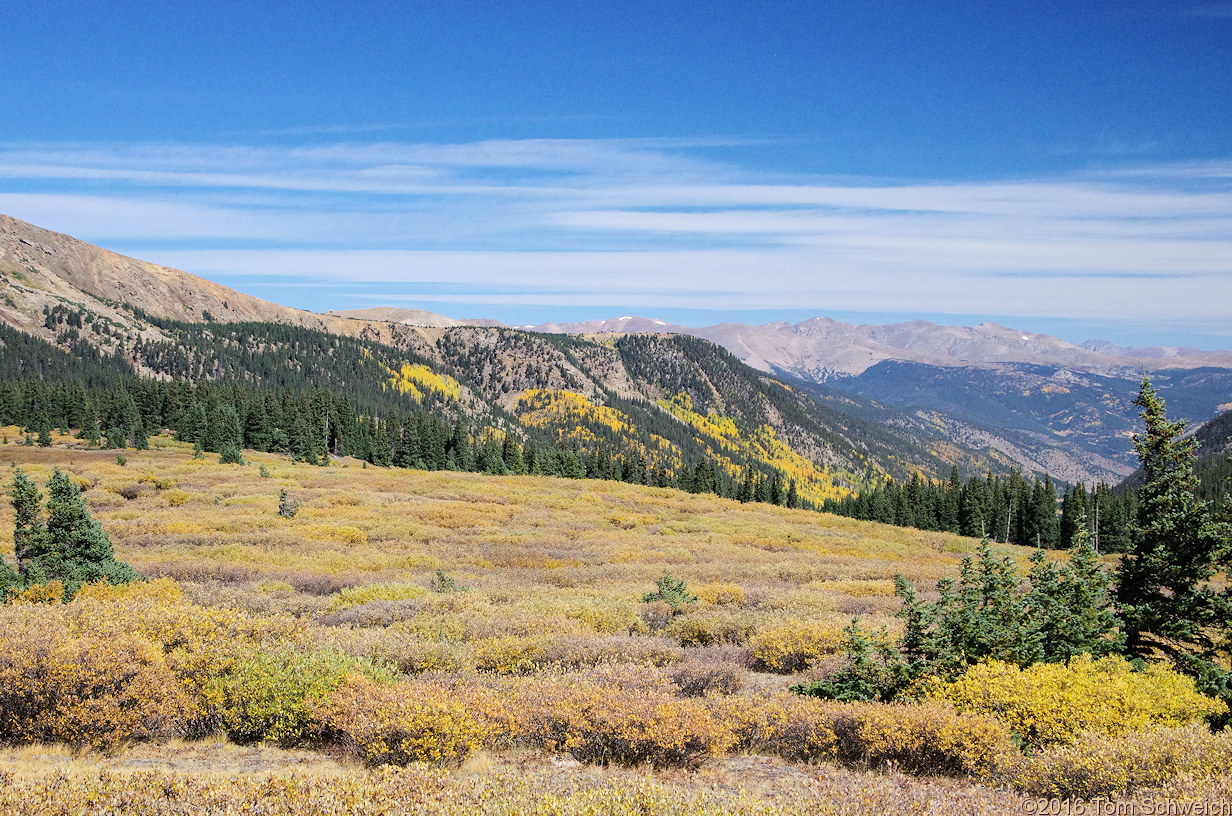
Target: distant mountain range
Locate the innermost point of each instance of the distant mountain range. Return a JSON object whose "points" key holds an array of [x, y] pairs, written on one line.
{"points": [[820, 349], [1038, 402], [894, 398]]}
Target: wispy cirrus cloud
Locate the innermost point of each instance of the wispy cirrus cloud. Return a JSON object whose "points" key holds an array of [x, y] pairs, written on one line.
{"points": [[649, 222]]}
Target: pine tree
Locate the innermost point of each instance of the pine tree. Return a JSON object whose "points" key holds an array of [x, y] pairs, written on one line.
{"points": [[229, 454], [86, 551], [10, 581], [30, 543], [70, 547], [1169, 608]]}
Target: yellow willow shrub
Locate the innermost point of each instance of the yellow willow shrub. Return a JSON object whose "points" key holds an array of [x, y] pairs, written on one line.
{"points": [[704, 628], [510, 654], [1051, 703], [201, 645], [721, 594], [93, 691], [51, 592], [412, 722], [356, 596], [794, 646], [269, 694], [597, 720], [860, 587], [929, 738], [1097, 765]]}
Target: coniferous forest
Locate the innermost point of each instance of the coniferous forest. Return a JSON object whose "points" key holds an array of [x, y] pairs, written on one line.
{"points": [[284, 389]]}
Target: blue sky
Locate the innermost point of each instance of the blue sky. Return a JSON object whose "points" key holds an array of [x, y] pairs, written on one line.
{"points": [[1062, 167]]}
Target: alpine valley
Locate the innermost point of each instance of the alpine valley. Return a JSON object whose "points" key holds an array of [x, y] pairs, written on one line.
{"points": [[820, 408]]}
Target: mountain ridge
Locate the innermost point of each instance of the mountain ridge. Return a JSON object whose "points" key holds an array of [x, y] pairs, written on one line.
{"points": [[983, 397], [821, 347], [676, 400]]}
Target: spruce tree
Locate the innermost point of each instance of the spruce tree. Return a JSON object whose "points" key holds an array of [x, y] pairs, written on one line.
{"points": [[10, 581], [1169, 608], [70, 547], [1069, 608], [30, 543], [85, 550]]}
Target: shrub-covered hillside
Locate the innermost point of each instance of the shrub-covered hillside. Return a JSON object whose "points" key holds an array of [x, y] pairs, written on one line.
{"points": [[511, 624]]}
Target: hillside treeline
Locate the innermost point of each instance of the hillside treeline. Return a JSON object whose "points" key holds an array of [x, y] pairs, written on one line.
{"points": [[1010, 509], [312, 396]]}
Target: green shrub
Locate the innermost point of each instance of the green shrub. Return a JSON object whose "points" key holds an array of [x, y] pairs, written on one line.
{"points": [[268, 695], [671, 591], [287, 508], [441, 582]]}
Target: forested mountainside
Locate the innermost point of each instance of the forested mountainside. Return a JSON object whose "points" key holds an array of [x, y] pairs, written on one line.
{"points": [[655, 409], [1025, 399], [670, 399], [1073, 425], [1213, 463]]}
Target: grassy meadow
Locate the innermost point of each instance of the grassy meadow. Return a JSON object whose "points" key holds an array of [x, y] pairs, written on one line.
{"points": [[410, 641]]}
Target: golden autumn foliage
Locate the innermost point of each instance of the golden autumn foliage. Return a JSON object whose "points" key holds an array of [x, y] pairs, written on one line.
{"points": [[928, 738], [794, 645], [419, 721], [416, 379], [1052, 703], [573, 418], [1097, 764], [324, 628], [610, 715], [58, 685], [733, 443]]}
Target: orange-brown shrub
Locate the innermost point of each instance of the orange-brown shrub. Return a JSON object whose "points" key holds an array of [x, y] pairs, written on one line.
{"points": [[95, 691], [797, 728], [412, 722], [915, 738], [598, 720]]}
